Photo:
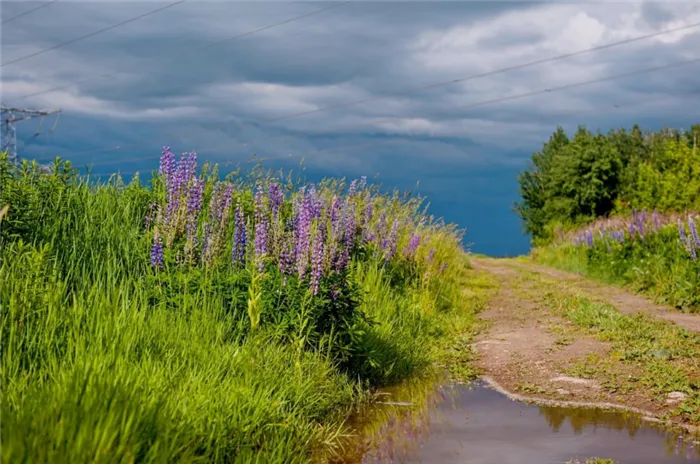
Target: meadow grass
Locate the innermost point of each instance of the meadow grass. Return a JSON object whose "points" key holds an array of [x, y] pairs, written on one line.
{"points": [[107, 358], [657, 263]]}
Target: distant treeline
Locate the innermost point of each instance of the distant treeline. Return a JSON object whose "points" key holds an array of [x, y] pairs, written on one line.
{"points": [[572, 181]]}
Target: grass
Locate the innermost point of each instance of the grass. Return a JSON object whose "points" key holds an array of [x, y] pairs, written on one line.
{"points": [[105, 360], [657, 266], [666, 356]]}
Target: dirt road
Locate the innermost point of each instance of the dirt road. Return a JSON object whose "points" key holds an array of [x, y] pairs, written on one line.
{"points": [[561, 338]]}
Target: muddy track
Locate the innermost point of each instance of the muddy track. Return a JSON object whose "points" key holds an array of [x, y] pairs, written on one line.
{"points": [[528, 350], [623, 300]]}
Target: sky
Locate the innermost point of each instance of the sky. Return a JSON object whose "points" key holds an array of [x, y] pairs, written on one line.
{"points": [[381, 89]]}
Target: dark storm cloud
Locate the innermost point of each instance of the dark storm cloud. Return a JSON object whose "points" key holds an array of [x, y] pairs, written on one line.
{"points": [[218, 99]]}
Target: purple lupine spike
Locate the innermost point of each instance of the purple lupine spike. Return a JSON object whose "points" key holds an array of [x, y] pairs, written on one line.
{"points": [[367, 234], [286, 262], [317, 261], [640, 218], [157, 252], [348, 239], [261, 229], [301, 249], [443, 267], [693, 231], [167, 164], [239, 237], [589, 239], [276, 196], [194, 205], [353, 188], [691, 249], [631, 229], [315, 203], [410, 250], [381, 231], [363, 183], [392, 240]]}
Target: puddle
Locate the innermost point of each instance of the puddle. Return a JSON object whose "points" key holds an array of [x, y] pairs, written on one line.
{"points": [[472, 424]]}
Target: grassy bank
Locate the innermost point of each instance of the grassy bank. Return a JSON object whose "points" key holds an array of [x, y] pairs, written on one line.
{"points": [[195, 320], [656, 255]]}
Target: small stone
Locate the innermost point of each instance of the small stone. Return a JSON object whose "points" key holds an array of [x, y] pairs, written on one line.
{"points": [[561, 391], [575, 380], [675, 397]]}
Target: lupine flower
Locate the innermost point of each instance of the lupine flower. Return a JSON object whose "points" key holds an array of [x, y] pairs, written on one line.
{"points": [[239, 237], [352, 189], [431, 255], [194, 205], [691, 249], [303, 234], [363, 182], [589, 239], [443, 267], [412, 246], [276, 198], [317, 261], [157, 252], [693, 231], [286, 259], [348, 240], [261, 228], [391, 241]]}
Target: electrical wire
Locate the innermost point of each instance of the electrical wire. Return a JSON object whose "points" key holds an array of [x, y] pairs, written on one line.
{"points": [[335, 150], [473, 105], [490, 73], [178, 55], [31, 10], [92, 34]]}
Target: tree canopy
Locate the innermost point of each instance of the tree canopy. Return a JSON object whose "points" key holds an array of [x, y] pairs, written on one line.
{"points": [[574, 180]]}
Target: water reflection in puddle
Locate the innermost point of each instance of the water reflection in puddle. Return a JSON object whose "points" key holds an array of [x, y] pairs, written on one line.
{"points": [[476, 425]]}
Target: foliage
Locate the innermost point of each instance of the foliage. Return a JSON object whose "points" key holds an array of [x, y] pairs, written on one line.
{"points": [[581, 203], [651, 255], [573, 181], [124, 340]]}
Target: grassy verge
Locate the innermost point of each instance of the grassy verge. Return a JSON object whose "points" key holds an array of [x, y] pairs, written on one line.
{"points": [[132, 336], [661, 263], [665, 355]]}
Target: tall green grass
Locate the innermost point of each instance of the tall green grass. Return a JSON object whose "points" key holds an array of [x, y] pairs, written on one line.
{"points": [[658, 266], [105, 361]]}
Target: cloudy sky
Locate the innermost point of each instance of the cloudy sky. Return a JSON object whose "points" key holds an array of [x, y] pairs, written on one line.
{"points": [[362, 88]]}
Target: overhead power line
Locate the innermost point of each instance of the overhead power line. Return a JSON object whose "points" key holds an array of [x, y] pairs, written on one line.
{"points": [[462, 79], [31, 10], [178, 54], [529, 119], [537, 92], [369, 123], [92, 34], [488, 73]]}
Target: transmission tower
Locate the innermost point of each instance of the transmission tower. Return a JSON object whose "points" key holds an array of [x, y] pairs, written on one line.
{"points": [[10, 116]]}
